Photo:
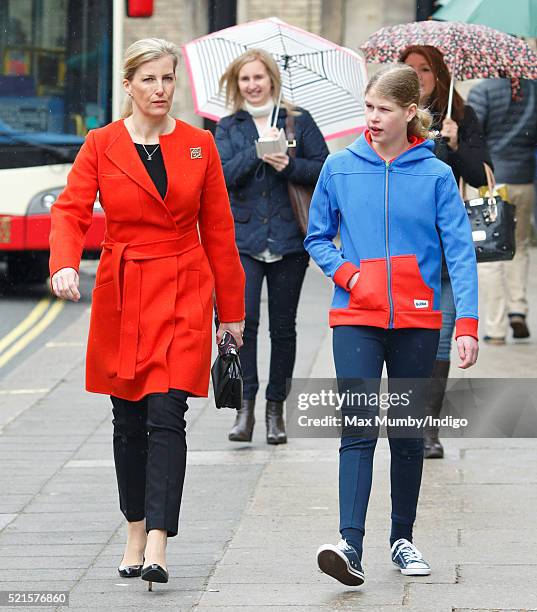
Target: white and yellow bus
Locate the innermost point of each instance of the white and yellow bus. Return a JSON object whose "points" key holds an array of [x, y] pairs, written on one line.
{"points": [[57, 58]]}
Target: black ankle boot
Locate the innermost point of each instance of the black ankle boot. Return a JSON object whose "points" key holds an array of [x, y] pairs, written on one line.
{"points": [[433, 448], [275, 423], [243, 427]]}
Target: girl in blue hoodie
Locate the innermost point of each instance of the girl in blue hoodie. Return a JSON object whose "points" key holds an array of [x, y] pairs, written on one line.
{"points": [[395, 205]]}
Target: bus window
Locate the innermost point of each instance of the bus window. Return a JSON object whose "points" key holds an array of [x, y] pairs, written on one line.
{"points": [[55, 78]]}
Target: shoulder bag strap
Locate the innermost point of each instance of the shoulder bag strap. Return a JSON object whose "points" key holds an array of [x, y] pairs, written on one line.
{"points": [[290, 133], [491, 182]]}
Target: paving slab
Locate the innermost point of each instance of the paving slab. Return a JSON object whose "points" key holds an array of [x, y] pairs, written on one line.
{"points": [[465, 595], [254, 515]]}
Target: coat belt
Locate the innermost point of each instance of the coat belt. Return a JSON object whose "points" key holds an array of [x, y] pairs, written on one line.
{"points": [[127, 280]]}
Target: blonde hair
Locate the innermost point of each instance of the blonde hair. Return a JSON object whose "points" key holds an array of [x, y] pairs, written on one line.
{"points": [[401, 84], [230, 79], [140, 52]]}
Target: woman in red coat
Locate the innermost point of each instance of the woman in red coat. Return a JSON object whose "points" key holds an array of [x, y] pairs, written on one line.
{"points": [[169, 248]]}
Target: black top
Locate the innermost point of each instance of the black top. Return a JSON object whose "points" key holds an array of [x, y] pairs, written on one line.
{"points": [[154, 166], [467, 160]]}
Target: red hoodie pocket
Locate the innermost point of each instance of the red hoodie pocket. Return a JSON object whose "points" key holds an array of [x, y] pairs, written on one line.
{"points": [[370, 292], [409, 291]]}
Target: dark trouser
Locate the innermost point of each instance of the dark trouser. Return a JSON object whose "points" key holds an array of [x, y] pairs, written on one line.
{"points": [[360, 353], [150, 457], [284, 282]]}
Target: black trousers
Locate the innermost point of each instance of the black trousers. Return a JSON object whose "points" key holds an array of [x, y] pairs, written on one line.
{"points": [[150, 457], [284, 282]]}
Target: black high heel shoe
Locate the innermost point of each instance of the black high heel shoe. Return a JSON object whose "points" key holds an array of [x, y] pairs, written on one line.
{"points": [[154, 573], [130, 571]]}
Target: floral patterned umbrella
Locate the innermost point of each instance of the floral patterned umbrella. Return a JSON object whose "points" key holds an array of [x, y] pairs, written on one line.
{"points": [[471, 51]]}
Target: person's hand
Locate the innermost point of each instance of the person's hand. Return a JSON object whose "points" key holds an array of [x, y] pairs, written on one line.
{"points": [[468, 350], [450, 130], [353, 280], [65, 284], [236, 329], [278, 161]]}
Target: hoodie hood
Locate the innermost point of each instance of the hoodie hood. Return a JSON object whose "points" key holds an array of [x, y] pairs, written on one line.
{"points": [[416, 152]]}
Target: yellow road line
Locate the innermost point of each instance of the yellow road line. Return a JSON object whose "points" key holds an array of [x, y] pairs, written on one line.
{"points": [[23, 342], [25, 324]]}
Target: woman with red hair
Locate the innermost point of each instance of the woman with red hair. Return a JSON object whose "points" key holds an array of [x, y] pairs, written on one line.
{"points": [[461, 145]]}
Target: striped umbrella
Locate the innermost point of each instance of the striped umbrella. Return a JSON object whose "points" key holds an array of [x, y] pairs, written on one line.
{"points": [[471, 51], [318, 75]]}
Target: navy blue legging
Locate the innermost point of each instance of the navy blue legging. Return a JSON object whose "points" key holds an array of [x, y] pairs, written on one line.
{"points": [[360, 353]]}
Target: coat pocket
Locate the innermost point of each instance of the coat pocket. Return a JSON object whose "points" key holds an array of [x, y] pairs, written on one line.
{"points": [[194, 308], [287, 214], [120, 197], [371, 292], [241, 215], [410, 293], [103, 339]]}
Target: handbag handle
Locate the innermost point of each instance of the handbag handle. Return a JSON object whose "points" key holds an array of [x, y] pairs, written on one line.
{"points": [[290, 133], [491, 182]]}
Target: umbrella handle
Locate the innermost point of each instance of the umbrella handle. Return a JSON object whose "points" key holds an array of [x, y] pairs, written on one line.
{"points": [[275, 119], [453, 69], [450, 99]]}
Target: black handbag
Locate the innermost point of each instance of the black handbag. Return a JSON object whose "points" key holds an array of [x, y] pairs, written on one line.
{"points": [[300, 195], [493, 221], [226, 374]]}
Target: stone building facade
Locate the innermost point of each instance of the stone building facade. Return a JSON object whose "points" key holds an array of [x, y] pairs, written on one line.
{"points": [[346, 22]]}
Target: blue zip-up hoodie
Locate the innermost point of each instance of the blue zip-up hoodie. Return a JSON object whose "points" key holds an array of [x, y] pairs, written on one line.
{"points": [[394, 217]]}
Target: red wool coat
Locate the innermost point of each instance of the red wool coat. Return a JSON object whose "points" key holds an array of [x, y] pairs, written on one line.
{"points": [[162, 260]]}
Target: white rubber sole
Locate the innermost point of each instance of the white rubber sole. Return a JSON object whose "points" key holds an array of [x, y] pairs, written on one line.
{"points": [[425, 571], [334, 563]]}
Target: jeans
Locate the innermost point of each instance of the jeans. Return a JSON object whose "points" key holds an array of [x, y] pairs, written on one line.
{"points": [[284, 282], [447, 306], [360, 353], [150, 457]]}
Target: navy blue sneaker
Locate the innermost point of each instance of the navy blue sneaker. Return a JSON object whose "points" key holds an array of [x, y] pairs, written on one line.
{"points": [[342, 562], [408, 559]]}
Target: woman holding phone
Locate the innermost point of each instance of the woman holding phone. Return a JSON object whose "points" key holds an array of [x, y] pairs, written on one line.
{"points": [[268, 238]]}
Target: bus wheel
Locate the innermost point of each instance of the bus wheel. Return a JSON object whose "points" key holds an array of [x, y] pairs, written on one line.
{"points": [[27, 267]]}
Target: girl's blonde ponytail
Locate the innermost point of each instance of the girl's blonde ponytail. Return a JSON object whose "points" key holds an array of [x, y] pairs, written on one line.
{"points": [[420, 124]]}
